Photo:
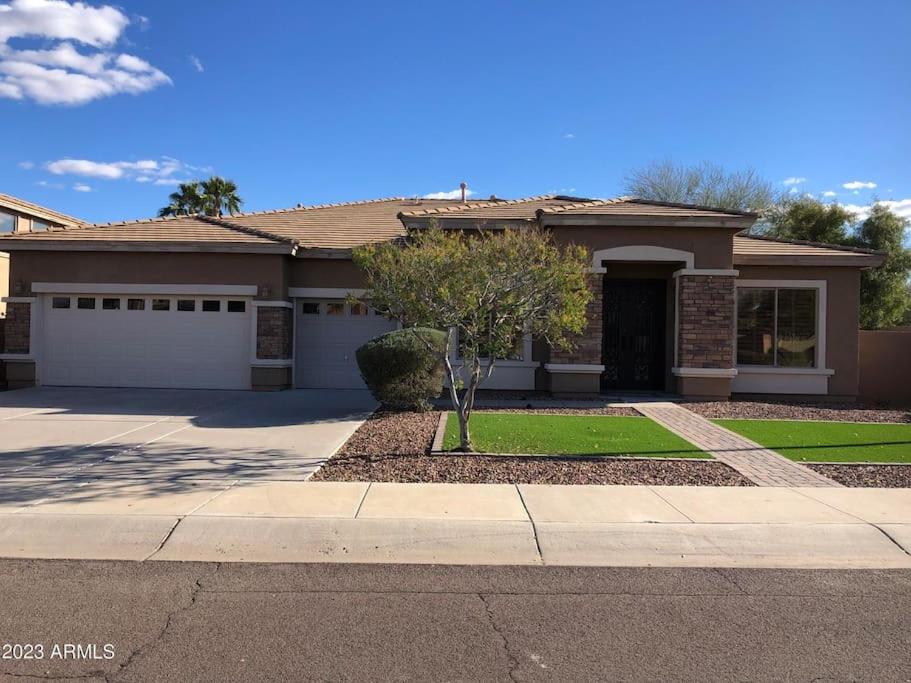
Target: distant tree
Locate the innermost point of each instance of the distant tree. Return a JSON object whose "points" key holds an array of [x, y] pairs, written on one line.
{"points": [[486, 290], [885, 299], [186, 201], [806, 218], [884, 295], [212, 197], [705, 184], [220, 196]]}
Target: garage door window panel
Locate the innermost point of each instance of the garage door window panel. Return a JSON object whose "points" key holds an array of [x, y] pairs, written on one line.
{"points": [[310, 308], [237, 306], [161, 304], [186, 305], [136, 304], [85, 303], [61, 302], [211, 305], [109, 304]]}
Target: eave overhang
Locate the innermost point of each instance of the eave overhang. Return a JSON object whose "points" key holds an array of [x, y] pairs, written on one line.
{"points": [[13, 244]]}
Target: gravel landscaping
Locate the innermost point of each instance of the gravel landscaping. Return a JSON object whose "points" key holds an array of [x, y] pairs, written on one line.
{"points": [[774, 410], [392, 447], [867, 476], [507, 469]]}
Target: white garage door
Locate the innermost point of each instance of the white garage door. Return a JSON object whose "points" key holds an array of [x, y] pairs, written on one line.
{"points": [[182, 342], [328, 333]]}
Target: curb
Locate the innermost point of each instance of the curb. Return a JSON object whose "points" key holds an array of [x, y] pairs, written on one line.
{"points": [[436, 448]]}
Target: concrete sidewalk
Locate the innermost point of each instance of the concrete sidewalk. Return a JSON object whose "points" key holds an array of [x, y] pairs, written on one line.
{"points": [[284, 521]]}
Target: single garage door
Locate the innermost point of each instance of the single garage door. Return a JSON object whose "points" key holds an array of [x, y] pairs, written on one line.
{"points": [[327, 335], [182, 342]]}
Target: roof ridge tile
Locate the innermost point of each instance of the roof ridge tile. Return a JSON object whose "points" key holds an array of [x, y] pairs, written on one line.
{"points": [[221, 222], [584, 203], [478, 204], [330, 205]]}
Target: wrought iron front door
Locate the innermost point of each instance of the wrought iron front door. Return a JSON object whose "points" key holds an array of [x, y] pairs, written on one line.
{"points": [[634, 334]]}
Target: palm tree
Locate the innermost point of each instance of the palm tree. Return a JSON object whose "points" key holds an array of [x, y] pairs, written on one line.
{"points": [[220, 195], [186, 201]]}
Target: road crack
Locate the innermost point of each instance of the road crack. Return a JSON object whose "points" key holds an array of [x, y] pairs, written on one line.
{"points": [[152, 644], [507, 647]]}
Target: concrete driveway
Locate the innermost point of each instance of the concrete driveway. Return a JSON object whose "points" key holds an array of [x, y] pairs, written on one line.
{"points": [[167, 439]]}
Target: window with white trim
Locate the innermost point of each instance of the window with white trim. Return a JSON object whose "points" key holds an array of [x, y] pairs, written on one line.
{"points": [[777, 327]]}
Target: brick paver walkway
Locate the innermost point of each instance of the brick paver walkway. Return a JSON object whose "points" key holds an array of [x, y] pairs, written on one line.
{"points": [[758, 464]]}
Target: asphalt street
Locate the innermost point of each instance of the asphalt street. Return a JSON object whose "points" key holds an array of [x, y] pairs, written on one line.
{"points": [[157, 621]]}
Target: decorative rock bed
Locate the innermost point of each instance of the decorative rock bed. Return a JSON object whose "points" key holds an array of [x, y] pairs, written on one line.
{"points": [[393, 447]]}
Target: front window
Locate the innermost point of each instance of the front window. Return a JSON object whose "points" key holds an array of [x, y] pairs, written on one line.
{"points": [[776, 327], [7, 223]]}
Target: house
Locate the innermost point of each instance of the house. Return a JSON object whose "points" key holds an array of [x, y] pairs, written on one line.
{"points": [[684, 302], [19, 216]]}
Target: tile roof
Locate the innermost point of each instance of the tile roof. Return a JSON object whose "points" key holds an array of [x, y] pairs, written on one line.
{"points": [[530, 208], [338, 226], [499, 209], [756, 247], [191, 229], [41, 212], [633, 206]]}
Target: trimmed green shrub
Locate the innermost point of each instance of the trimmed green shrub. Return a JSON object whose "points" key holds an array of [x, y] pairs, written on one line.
{"points": [[400, 370]]}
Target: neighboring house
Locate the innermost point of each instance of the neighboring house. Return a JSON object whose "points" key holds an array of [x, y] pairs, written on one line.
{"points": [[19, 216], [683, 303]]}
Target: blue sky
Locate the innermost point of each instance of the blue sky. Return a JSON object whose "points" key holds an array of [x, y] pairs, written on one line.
{"points": [[103, 108]]}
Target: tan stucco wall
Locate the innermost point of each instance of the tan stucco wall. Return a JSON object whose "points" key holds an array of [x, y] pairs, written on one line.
{"points": [[842, 317], [885, 374], [711, 247], [266, 271], [324, 273]]}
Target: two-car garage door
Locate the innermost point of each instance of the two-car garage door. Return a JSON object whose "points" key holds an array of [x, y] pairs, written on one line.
{"points": [[193, 341], [156, 341], [328, 334]]}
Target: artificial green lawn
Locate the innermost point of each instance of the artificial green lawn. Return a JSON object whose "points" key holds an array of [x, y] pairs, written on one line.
{"points": [[828, 441], [570, 435]]}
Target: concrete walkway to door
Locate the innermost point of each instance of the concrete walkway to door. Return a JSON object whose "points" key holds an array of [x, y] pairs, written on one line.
{"points": [[166, 440]]}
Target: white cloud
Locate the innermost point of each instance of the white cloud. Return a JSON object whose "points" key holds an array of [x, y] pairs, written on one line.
{"points": [[859, 185], [901, 207], [63, 74], [194, 60], [569, 136], [163, 171], [84, 167], [452, 194], [790, 182], [82, 187], [829, 193], [793, 190], [53, 186], [26, 165]]}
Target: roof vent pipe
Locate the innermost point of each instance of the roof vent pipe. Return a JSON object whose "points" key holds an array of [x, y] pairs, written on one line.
{"points": [[463, 186]]}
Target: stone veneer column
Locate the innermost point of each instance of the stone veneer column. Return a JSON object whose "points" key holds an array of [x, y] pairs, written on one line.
{"points": [[705, 334], [18, 342], [579, 370], [18, 327], [274, 346]]}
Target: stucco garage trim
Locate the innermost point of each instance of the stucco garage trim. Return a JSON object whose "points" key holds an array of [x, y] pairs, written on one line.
{"points": [[122, 288], [642, 252], [324, 292]]}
